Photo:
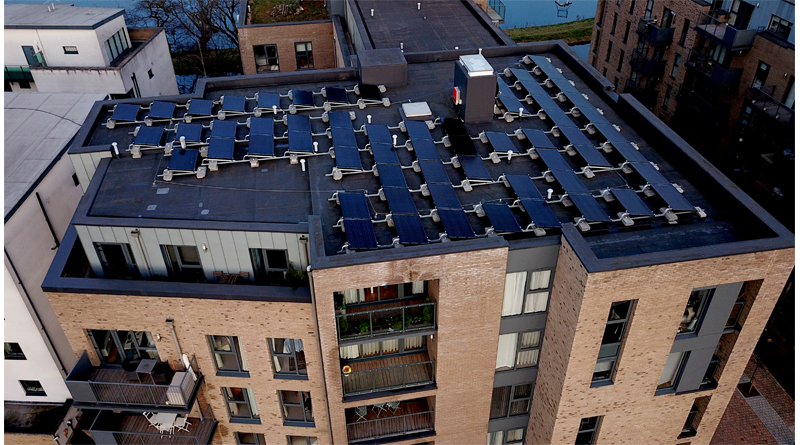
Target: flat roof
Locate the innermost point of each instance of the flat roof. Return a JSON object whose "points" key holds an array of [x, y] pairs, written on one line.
{"points": [[38, 127], [33, 418], [26, 16]]}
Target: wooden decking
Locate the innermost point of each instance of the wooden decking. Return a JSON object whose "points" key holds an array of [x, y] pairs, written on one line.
{"points": [[411, 417], [389, 373], [136, 430]]}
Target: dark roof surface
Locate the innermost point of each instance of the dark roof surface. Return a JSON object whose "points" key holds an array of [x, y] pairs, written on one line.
{"points": [[22, 16], [33, 418]]}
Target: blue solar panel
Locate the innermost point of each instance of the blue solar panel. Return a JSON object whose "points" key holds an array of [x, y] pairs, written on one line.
{"points": [[554, 160], [161, 110], [360, 234], [149, 136], [339, 119], [507, 98], [200, 107], [632, 202], [347, 157], [343, 136], [418, 130], [384, 154], [223, 129], [589, 208], [456, 223], [409, 229], [400, 201], [379, 133], [501, 217], [184, 160], [391, 176], [540, 213], [464, 146], [300, 141], [192, 132], [220, 148], [444, 196], [592, 157], [575, 136], [233, 103], [301, 97], [354, 205], [434, 172], [523, 186], [125, 112], [570, 183], [560, 119], [268, 100], [262, 125], [674, 200], [500, 142], [336, 95], [261, 145], [474, 168], [538, 138], [650, 174], [426, 150], [297, 122], [620, 142], [551, 72]]}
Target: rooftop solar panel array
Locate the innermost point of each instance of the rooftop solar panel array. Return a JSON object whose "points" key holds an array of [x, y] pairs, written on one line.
{"points": [[233, 103], [262, 125], [219, 148], [184, 160], [161, 110], [224, 129], [150, 136], [125, 112], [344, 141], [192, 132], [538, 138], [357, 220], [632, 202], [532, 201], [474, 168], [501, 217], [200, 107], [300, 139], [500, 142], [301, 97], [336, 95], [269, 100], [507, 98]]}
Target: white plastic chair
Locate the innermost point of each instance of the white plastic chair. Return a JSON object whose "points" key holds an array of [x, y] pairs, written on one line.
{"points": [[182, 423], [361, 413]]}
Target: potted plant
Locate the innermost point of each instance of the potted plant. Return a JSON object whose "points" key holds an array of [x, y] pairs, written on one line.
{"points": [[344, 325], [427, 313], [363, 327]]}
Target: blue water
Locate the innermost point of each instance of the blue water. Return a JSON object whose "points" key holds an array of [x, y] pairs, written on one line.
{"points": [[522, 13]]}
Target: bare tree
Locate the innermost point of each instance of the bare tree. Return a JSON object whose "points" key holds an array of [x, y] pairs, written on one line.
{"points": [[207, 24]]}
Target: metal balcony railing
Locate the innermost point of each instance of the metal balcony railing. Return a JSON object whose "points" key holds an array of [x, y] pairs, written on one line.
{"points": [[390, 377], [657, 36], [499, 8], [646, 66], [762, 100], [709, 69], [390, 426], [734, 39], [378, 322], [17, 73], [128, 429]]}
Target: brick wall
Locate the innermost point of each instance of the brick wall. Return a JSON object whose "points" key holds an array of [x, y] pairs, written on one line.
{"points": [[285, 35]]}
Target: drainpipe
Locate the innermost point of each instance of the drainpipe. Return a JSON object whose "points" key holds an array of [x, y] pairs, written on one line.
{"points": [[306, 250], [136, 235], [170, 323]]}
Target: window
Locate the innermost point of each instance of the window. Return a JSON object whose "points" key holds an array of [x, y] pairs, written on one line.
{"points": [[611, 342], [518, 350], [250, 439], [70, 49], [684, 32], [667, 96], [241, 405], [183, 262], [616, 83], [597, 42], [509, 437], [114, 347], [675, 66], [669, 377], [511, 400], [116, 45], [648, 10], [614, 24], [667, 18], [634, 76], [587, 430], [761, 75], [13, 351], [517, 299], [627, 31], [32, 388], [270, 265], [688, 429], [288, 356], [301, 440], [608, 52], [605, 70], [75, 179], [117, 260], [228, 354], [381, 293], [633, 5], [780, 26], [304, 56], [691, 316], [150, 74], [736, 311], [266, 57], [621, 58], [602, 16], [296, 407], [387, 347]]}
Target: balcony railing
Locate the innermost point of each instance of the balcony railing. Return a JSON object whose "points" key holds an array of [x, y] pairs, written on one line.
{"points": [[762, 100], [499, 9], [646, 66], [410, 418], [710, 70], [385, 321], [656, 35], [112, 388], [647, 97], [734, 39], [110, 428], [420, 372], [18, 73]]}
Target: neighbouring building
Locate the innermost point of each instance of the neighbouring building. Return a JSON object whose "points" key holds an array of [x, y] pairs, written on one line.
{"points": [[64, 48], [274, 260]]}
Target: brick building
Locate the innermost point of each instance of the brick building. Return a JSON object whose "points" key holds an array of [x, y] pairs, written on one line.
{"points": [[242, 267]]}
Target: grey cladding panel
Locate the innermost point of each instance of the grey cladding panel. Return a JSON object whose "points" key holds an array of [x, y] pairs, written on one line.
{"points": [[694, 369]]}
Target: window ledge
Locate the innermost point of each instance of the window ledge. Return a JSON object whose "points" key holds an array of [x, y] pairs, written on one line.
{"points": [[290, 377], [601, 383], [16, 358], [685, 435], [247, 421], [232, 374], [299, 424]]}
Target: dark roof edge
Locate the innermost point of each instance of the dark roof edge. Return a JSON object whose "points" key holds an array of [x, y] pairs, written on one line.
{"points": [[501, 37], [266, 25], [532, 243], [93, 26], [489, 52]]}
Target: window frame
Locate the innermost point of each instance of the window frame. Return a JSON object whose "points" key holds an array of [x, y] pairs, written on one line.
{"points": [[307, 54], [184, 270], [267, 58], [401, 349], [121, 45], [292, 355], [667, 96], [633, 5], [258, 440], [120, 343], [684, 32], [676, 376], [310, 440], [264, 274], [253, 418], [613, 359], [701, 311], [302, 397], [676, 65], [759, 71], [608, 51], [504, 437], [240, 357], [780, 21], [401, 294], [519, 349], [627, 31], [690, 431], [13, 355], [32, 393], [614, 24], [621, 59], [127, 252], [70, 50], [512, 399], [528, 292], [593, 430]]}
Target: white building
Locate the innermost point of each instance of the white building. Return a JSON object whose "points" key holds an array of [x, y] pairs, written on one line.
{"points": [[87, 50]]}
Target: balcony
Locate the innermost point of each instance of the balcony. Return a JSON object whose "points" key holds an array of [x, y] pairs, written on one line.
{"points": [[762, 100], [386, 319], [708, 69], [646, 66], [647, 97], [734, 39], [412, 419], [112, 428], [117, 389], [404, 371], [496, 10], [656, 35], [18, 73]]}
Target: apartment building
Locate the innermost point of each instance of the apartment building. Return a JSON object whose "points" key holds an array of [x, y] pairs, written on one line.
{"points": [[65, 48], [242, 267], [720, 73]]}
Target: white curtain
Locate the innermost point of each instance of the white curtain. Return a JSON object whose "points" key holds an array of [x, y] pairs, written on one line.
{"points": [[530, 339], [514, 435], [506, 351], [277, 364], [252, 398], [495, 438], [514, 293], [417, 287], [536, 302], [529, 357], [347, 352], [540, 280], [354, 296], [241, 355], [298, 344], [390, 346], [412, 343], [368, 349]]}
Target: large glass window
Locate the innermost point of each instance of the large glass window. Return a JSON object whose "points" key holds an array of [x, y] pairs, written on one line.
{"points": [[381, 293], [266, 57], [117, 260], [296, 406], [627, 31], [288, 356], [675, 66], [684, 32], [587, 431], [114, 347], [669, 377], [116, 45], [611, 342], [304, 55], [241, 404], [228, 353], [511, 400], [183, 262], [694, 307], [250, 439], [780, 26], [379, 348], [648, 10], [13, 351], [518, 350], [510, 437], [528, 297], [269, 265]]}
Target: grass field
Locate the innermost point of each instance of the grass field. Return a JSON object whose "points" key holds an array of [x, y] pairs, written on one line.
{"points": [[573, 33]]}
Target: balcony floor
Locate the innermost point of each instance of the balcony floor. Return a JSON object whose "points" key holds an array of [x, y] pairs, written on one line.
{"points": [[388, 378], [390, 424], [112, 375], [139, 431]]}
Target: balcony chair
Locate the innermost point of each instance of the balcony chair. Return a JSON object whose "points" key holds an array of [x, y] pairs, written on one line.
{"points": [[393, 406], [182, 423], [129, 366], [361, 413]]}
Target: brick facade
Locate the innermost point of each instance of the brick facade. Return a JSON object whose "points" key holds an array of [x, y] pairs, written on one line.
{"points": [[285, 35]]}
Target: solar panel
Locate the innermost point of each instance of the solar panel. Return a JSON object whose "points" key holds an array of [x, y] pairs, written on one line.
{"points": [[379, 133], [426, 150], [261, 145], [650, 174], [161, 110], [474, 168], [560, 119], [444, 196], [531, 85], [391, 176], [125, 112], [575, 136], [384, 154], [233, 103], [262, 125], [400, 201], [434, 172], [354, 205], [369, 92], [589, 208], [674, 200], [418, 130], [409, 229], [200, 107], [347, 157], [456, 223], [632, 202], [302, 97], [339, 119], [223, 129], [570, 183], [538, 138], [620, 142], [554, 160], [184, 160], [360, 234], [268, 100], [589, 111], [540, 213], [523, 186], [149, 136], [297, 122], [500, 142], [301, 141], [219, 148], [192, 132], [459, 137], [551, 72], [507, 98], [592, 157], [343, 136], [501, 217], [337, 95]]}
